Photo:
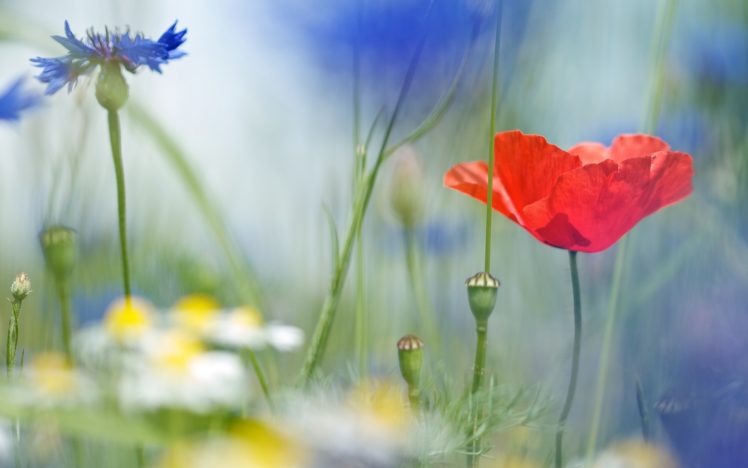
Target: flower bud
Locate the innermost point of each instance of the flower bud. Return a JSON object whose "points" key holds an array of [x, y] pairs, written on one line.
{"points": [[111, 88], [21, 287], [406, 188], [410, 355], [482, 289], [60, 250]]}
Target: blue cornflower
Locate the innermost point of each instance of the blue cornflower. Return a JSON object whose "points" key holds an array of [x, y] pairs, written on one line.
{"points": [[109, 49], [15, 99]]}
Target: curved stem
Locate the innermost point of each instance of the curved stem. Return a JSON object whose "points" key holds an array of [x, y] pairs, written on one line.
{"points": [[119, 172], [574, 359], [361, 202]]}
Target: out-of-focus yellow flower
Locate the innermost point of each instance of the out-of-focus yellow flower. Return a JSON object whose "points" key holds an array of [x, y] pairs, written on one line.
{"points": [[128, 318], [635, 454], [246, 316], [249, 444], [510, 461], [52, 374], [382, 405], [175, 350], [196, 312]]}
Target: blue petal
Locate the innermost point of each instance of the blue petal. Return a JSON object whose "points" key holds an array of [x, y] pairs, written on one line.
{"points": [[75, 46], [172, 39], [59, 71], [15, 99], [138, 51]]}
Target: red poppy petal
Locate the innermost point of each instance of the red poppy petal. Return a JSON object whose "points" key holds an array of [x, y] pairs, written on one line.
{"points": [[590, 153], [577, 209], [635, 146], [599, 203], [528, 166], [472, 179], [672, 172]]}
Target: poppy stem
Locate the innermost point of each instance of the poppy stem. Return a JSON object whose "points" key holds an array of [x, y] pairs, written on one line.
{"points": [[574, 359], [66, 316], [479, 371], [481, 325], [492, 130], [119, 172]]}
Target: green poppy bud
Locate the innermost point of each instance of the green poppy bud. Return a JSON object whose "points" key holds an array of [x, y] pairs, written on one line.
{"points": [[21, 287], [407, 188], [410, 355], [60, 249], [111, 88], [482, 289]]}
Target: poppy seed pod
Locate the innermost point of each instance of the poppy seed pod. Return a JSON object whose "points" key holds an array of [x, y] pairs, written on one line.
{"points": [[111, 88], [410, 355], [60, 250], [21, 287], [482, 289]]}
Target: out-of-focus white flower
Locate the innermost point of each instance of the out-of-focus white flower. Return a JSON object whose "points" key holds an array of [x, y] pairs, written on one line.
{"points": [[240, 327], [49, 379], [248, 444], [370, 426], [631, 454], [6, 443], [128, 319], [178, 372]]}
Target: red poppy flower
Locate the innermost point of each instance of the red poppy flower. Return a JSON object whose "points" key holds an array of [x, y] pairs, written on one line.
{"points": [[583, 199]]}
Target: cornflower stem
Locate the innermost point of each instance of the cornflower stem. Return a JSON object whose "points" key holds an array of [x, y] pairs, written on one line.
{"points": [[415, 276], [12, 341], [479, 371], [66, 316], [115, 140], [361, 202], [574, 359]]}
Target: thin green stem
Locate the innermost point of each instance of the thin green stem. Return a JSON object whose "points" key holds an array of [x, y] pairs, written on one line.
{"points": [[12, 341], [247, 283], [602, 371], [252, 357], [66, 316], [359, 154], [360, 305], [574, 359], [415, 276], [643, 412], [119, 172], [660, 40], [479, 372], [329, 306], [492, 129]]}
